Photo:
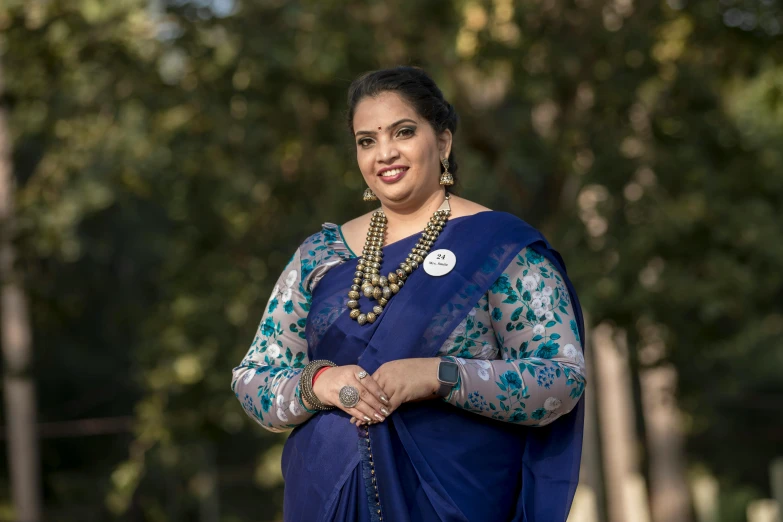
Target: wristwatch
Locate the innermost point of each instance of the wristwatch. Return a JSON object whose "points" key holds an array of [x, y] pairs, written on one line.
{"points": [[448, 376]]}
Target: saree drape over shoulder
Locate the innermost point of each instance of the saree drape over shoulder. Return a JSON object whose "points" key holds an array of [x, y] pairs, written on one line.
{"points": [[429, 461]]}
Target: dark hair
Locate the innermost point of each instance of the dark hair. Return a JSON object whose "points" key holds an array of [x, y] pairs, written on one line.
{"points": [[418, 89]]}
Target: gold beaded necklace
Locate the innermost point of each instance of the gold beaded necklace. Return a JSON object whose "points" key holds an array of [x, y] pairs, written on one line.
{"points": [[367, 277]]}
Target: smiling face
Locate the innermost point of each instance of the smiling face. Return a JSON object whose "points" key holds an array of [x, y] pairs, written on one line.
{"points": [[397, 150]]}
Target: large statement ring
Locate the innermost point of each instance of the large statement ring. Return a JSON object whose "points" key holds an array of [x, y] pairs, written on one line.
{"points": [[361, 375], [349, 396]]}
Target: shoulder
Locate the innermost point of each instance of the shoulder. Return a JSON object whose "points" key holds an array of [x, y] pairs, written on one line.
{"points": [[318, 253], [527, 272], [357, 225], [326, 242], [465, 207]]}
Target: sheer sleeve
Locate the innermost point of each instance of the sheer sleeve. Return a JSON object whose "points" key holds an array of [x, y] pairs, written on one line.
{"points": [[267, 380], [540, 375]]}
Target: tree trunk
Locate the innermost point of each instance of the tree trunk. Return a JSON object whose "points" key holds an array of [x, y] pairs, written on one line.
{"points": [[626, 494], [669, 493], [18, 381]]}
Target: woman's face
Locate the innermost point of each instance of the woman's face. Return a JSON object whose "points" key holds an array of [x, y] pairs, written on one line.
{"points": [[397, 150]]}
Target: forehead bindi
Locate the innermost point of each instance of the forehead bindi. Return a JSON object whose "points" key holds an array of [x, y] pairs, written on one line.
{"points": [[376, 113]]}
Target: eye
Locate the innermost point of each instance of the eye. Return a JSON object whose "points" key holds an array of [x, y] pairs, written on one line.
{"points": [[405, 132], [364, 142]]}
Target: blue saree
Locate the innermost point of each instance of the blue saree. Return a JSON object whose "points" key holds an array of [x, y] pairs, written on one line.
{"points": [[492, 470]]}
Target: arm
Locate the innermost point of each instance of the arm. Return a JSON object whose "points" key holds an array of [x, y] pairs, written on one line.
{"points": [[541, 376], [267, 380]]}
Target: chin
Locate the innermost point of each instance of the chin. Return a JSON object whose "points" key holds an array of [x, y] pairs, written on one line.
{"points": [[397, 195]]}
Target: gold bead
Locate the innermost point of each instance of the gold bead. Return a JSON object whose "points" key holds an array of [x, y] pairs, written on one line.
{"points": [[368, 280]]}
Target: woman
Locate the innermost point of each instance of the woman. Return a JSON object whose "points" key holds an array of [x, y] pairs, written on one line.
{"points": [[424, 370]]}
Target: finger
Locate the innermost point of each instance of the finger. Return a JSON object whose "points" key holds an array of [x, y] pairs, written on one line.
{"points": [[359, 423], [376, 389], [365, 414], [371, 399], [388, 388], [395, 401], [361, 412]]}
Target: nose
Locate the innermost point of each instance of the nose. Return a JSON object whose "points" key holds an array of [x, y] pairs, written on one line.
{"points": [[387, 151]]}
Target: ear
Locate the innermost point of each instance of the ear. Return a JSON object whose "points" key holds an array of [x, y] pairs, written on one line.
{"points": [[444, 143]]}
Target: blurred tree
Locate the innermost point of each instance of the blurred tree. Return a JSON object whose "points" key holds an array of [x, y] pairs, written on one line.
{"points": [[18, 380]]}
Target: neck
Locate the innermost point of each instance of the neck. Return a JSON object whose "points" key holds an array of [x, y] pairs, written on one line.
{"points": [[403, 222]]}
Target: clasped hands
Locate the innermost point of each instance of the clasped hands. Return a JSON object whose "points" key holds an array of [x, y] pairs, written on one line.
{"points": [[391, 385]]}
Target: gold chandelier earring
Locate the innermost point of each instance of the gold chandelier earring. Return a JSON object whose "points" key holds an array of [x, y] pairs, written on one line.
{"points": [[446, 178], [369, 195]]}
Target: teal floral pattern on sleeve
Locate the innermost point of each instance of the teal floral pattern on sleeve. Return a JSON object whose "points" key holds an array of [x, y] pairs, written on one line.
{"points": [[540, 373], [518, 348], [267, 380]]}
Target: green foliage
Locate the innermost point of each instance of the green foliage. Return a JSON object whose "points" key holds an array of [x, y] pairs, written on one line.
{"points": [[169, 158]]}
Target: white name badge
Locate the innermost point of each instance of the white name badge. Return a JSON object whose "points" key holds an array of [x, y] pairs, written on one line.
{"points": [[439, 262]]}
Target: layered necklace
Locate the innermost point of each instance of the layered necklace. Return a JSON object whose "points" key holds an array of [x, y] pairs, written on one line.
{"points": [[367, 278]]}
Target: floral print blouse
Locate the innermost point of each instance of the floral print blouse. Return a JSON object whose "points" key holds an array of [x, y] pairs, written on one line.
{"points": [[519, 353]]}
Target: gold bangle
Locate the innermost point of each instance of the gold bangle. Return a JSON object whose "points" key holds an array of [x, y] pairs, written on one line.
{"points": [[306, 383]]}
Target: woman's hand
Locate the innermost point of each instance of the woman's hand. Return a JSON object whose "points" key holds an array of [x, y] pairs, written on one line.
{"points": [[373, 400], [408, 380]]}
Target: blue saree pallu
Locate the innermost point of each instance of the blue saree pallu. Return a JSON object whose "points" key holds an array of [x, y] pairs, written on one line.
{"points": [[430, 460]]}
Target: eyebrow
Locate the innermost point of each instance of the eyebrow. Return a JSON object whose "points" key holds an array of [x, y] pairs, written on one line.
{"points": [[387, 128]]}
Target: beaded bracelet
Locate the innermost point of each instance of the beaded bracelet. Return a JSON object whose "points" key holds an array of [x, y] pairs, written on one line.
{"points": [[306, 383]]}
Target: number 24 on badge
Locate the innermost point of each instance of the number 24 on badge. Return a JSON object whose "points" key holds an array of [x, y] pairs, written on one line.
{"points": [[439, 262]]}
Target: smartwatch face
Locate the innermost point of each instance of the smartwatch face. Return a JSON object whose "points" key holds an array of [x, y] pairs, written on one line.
{"points": [[448, 372]]}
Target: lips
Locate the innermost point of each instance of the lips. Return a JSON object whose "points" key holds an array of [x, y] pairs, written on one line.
{"points": [[392, 174], [392, 170]]}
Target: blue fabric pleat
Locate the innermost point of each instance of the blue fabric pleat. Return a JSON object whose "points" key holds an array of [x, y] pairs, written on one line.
{"points": [[432, 461]]}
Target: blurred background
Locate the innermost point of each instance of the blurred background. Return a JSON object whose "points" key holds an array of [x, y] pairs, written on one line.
{"points": [[161, 160]]}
